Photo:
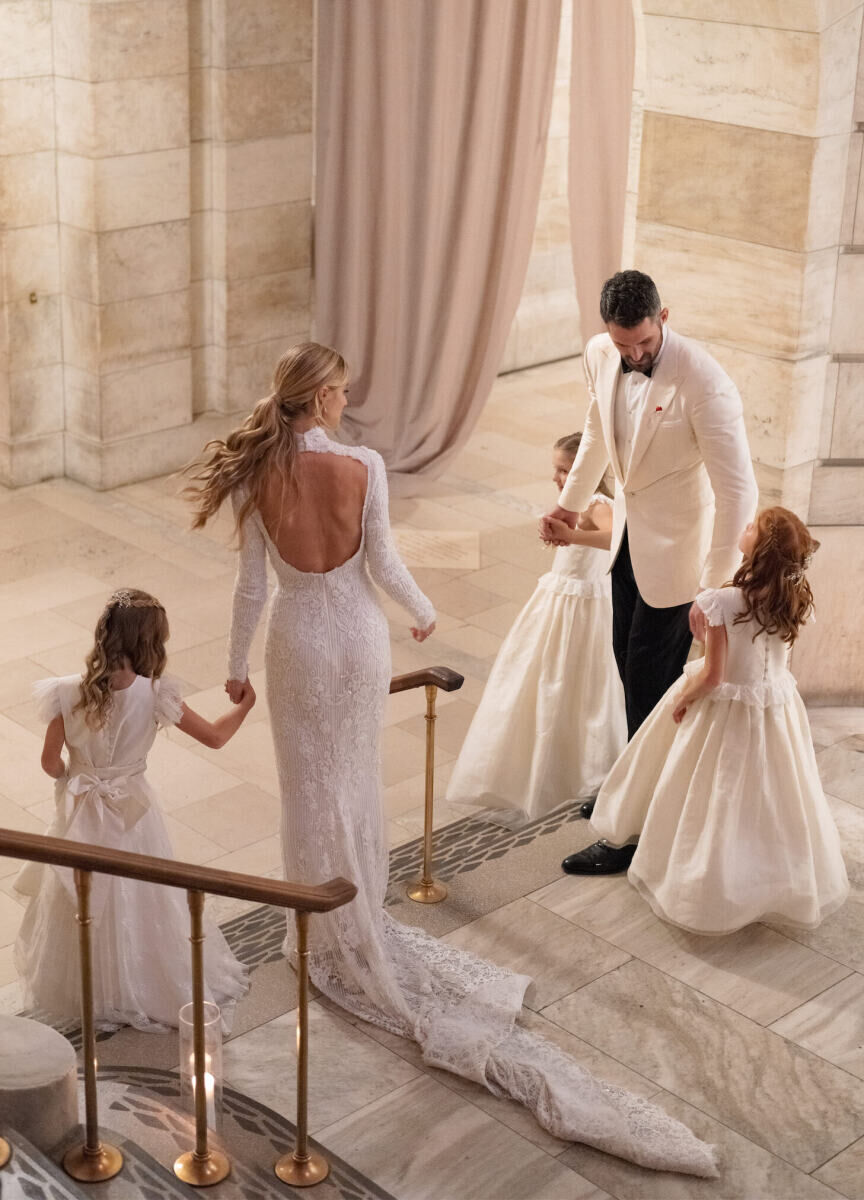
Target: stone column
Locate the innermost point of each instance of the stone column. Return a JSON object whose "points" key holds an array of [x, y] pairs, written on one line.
{"points": [[31, 371], [251, 193], [748, 124], [122, 118]]}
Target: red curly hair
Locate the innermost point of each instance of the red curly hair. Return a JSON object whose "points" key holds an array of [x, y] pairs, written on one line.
{"points": [[771, 578]]}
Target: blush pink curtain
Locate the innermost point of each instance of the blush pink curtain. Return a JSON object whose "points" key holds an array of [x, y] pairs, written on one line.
{"points": [[601, 96], [432, 121]]}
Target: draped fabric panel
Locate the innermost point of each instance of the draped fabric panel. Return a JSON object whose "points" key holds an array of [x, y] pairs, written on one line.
{"points": [[601, 93], [432, 122]]}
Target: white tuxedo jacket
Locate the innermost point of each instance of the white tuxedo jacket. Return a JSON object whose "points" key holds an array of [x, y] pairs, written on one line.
{"points": [[689, 488]]}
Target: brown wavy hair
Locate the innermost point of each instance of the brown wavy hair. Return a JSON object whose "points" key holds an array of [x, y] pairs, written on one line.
{"points": [[265, 440], [131, 632], [570, 444], [772, 578]]}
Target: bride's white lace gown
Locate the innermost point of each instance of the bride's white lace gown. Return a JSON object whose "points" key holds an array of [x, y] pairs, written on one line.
{"points": [[328, 675]]}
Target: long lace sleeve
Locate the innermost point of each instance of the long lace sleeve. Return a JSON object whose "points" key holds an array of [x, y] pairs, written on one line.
{"points": [[250, 594], [385, 566]]}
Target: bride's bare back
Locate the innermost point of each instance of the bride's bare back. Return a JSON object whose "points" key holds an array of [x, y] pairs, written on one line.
{"points": [[318, 526]]}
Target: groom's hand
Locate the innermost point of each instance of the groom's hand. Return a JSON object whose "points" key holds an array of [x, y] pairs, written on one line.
{"points": [[698, 623], [547, 532]]}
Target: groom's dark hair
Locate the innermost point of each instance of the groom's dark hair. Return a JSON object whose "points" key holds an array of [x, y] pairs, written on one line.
{"points": [[628, 298]]}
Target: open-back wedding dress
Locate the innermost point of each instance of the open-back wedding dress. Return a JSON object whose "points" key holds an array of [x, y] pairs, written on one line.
{"points": [[328, 675]]}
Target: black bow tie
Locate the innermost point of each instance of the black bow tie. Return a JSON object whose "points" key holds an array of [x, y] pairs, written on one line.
{"points": [[646, 371]]}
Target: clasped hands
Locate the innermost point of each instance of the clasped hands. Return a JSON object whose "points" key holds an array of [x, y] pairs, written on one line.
{"points": [[553, 526]]}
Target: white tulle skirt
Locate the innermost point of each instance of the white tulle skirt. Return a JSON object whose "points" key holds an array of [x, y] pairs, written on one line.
{"points": [[551, 720], [140, 945], [732, 822]]}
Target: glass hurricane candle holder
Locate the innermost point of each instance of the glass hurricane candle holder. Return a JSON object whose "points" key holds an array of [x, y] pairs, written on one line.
{"points": [[212, 1061]]}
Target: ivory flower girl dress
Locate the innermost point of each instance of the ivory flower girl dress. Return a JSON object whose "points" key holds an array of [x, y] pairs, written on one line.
{"points": [[728, 806], [140, 933], [551, 720]]}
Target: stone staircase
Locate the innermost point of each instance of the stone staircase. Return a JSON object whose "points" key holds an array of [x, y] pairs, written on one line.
{"points": [[141, 1113]]}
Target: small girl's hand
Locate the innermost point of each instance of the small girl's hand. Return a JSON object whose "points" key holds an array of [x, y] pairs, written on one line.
{"points": [[420, 635], [557, 532]]}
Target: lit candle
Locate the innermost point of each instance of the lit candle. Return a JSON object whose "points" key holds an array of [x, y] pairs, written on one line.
{"points": [[209, 1090]]}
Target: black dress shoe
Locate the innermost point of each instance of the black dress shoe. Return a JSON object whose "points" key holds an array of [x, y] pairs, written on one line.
{"points": [[599, 859], [586, 809]]}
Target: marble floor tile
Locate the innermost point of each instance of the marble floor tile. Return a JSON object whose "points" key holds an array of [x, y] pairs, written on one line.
{"points": [[831, 1025], [850, 822], [16, 682], [347, 1070], [461, 599], [833, 724], [806, 1111], [756, 971], [838, 937], [747, 1172], [232, 819], [422, 1142], [498, 620], [180, 776], [508, 581], [406, 797], [841, 768], [41, 591], [261, 858], [845, 1173], [22, 779], [471, 639], [249, 757], [531, 940], [26, 636]]}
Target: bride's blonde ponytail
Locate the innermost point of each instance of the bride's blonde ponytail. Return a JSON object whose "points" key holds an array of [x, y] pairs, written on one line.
{"points": [[265, 440]]}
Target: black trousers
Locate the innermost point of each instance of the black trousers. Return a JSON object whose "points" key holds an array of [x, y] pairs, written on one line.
{"points": [[650, 644]]}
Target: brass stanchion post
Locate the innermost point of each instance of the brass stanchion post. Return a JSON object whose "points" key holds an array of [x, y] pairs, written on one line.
{"points": [[428, 890], [304, 1167], [5, 1152], [202, 1166], [94, 1160]]}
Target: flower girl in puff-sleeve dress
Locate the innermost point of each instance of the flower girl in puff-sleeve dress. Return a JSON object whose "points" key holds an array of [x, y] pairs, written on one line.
{"points": [[720, 783], [140, 947]]}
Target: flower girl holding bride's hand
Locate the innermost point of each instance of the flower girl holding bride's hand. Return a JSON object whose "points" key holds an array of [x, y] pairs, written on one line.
{"points": [[107, 719]]}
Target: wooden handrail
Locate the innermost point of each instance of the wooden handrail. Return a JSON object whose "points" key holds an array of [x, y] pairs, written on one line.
{"points": [[322, 897], [440, 677]]}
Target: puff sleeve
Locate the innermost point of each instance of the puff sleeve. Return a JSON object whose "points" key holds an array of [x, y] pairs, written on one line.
{"points": [[46, 693], [169, 702]]}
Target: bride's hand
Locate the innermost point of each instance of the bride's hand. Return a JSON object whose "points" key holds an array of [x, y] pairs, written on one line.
{"points": [[420, 635], [236, 689]]}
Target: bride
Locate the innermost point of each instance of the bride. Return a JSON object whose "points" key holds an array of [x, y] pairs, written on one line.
{"points": [[318, 511]]}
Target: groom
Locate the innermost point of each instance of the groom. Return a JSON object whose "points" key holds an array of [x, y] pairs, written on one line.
{"points": [[668, 419]]}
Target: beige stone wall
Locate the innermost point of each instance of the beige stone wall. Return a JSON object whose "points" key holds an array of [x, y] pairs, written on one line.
{"points": [[155, 198], [747, 218]]}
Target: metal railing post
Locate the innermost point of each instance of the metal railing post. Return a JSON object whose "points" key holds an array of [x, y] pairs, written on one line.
{"points": [[202, 1166], [304, 1167], [428, 890], [94, 1160]]}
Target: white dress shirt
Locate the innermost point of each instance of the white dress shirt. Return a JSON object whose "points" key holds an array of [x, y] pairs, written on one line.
{"points": [[629, 398]]}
